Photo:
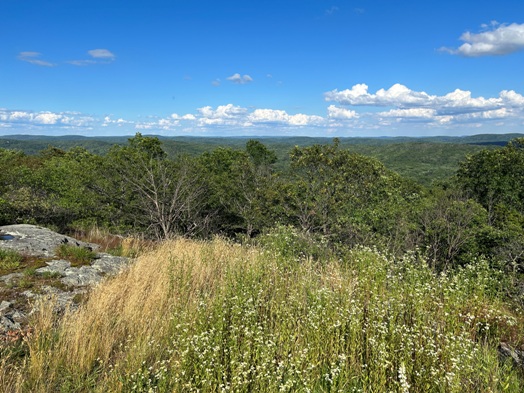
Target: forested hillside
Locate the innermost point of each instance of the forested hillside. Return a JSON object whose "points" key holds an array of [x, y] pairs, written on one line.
{"points": [[421, 159], [328, 191]]}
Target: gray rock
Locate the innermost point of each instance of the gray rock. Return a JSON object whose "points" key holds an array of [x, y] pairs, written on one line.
{"points": [[109, 264], [7, 323], [10, 318], [41, 242], [57, 266], [81, 276], [105, 264], [37, 241], [9, 278], [63, 299], [4, 307], [29, 294], [17, 315]]}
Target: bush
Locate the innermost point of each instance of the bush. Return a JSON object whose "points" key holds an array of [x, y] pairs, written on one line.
{"points": [[78, 256]]}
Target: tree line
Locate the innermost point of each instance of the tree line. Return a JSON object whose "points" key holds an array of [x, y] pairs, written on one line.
{"points": [[330, 195]]}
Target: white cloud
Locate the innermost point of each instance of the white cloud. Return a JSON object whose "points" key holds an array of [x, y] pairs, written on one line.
{"points": [[396, 95], [413, 113], [337, 113], [511, 98], [240, 80], [16, 116], [223, 115], [118, 122], [234, 117], [458, 106], [188, 116], [47, 118], [282, 117], [98, 56], [30, 119], [33, 58], [101, 54], [498, 40], [401, 109], [222, 111], [457, 101], [486, 115]]}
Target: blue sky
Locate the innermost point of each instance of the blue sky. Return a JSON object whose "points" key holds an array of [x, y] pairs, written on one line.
{"points": [[206, 68]]}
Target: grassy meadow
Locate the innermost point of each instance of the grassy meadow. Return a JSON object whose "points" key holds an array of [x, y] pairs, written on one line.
{"points": [[214, 316]]}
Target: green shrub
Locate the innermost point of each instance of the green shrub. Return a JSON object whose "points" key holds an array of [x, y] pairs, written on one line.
{"points": [[78, 256], [9, 259]]}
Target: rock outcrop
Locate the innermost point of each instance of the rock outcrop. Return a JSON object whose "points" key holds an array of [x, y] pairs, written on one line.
{"points": [[35, 241]]}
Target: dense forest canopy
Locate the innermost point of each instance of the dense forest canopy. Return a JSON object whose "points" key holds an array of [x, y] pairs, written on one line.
{"points": [[331, 194]]}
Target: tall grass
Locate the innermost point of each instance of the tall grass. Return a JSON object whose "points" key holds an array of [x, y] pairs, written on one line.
{"points": [[218, 317]]}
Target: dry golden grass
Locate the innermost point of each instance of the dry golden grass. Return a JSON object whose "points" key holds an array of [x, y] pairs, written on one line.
{"points": [[126, 246], [130, 308]]}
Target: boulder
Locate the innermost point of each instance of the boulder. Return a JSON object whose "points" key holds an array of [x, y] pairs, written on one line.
{"points": [[34, 240]]}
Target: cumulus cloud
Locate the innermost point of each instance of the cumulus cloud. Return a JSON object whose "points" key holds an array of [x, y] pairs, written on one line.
{"points": [[396, 95], [229, 118], [282, 117], [223, 115], [33, 58], [337, 113], [240, 79], [458, 106], [108, 121], [233, 117], [44, 118], [400, 96], [222, 111], [399, 108], [496, 40], [187, 116]]}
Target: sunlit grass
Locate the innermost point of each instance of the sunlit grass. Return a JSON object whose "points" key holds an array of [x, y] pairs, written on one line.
{"points": [[9, 260], [214, 316], [114, 244]]}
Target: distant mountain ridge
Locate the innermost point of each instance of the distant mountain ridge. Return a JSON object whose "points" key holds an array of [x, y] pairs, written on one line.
{"points": [[424, 159]]}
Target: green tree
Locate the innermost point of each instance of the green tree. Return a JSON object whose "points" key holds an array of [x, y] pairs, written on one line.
{"points": [[495, 179], [451, 227], [340, 194], [259, 154], [162, 195], [241, 182]]}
